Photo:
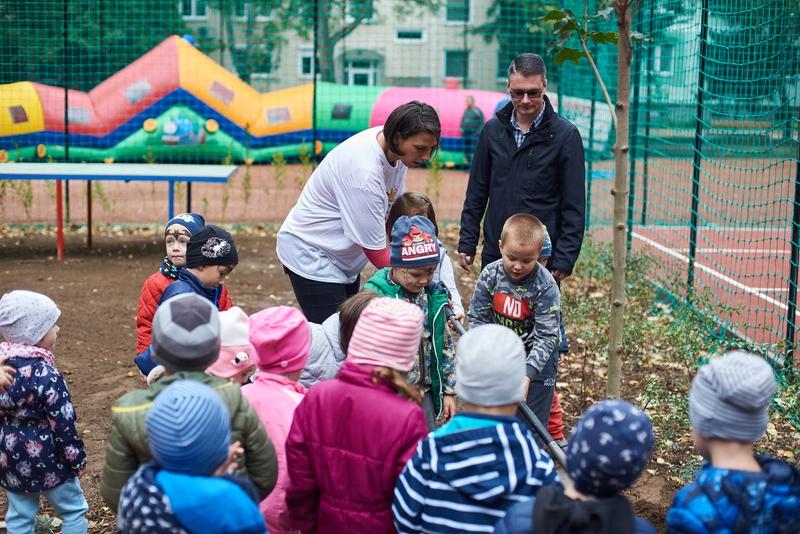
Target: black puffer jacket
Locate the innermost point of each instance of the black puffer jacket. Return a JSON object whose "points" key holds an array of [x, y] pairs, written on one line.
{"points": [[544, 177]]}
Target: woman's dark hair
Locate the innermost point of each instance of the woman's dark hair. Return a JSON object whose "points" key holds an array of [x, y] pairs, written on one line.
{"points": [[349, 312], [408, 120], [411, 203]]}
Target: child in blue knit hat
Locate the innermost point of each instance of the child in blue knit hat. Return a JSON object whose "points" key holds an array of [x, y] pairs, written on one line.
{"points": [[414, 258], [608, 451], [189, 432]]}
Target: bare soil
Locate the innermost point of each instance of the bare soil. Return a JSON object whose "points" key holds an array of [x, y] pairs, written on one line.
{"points": [[97, 291]]}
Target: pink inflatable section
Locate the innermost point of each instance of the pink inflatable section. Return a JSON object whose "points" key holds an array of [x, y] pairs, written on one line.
{"points": [[449, 104]]}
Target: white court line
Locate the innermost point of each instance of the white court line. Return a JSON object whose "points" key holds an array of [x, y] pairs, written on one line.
{"points": [[712, 272], [774, 289], [701, 229], [737, 250]]}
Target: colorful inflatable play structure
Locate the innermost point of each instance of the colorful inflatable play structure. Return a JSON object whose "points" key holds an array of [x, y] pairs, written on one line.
{"points": [[175, 104]]}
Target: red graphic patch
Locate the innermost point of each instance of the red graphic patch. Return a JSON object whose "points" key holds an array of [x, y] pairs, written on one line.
{"points": [[418, 245], [511, 307]]}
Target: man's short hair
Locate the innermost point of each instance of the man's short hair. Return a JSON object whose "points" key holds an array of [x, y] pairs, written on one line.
{"points": [[523, 228], [527, 65]]}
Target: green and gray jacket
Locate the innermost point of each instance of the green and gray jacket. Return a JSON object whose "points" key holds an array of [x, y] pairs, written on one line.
{"points": [[128, 446], [435, 367]]}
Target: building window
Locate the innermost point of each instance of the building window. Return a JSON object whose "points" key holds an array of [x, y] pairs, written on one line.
{"points": [[457, 10], [361, 72], [240, 10], [662, 58], [410, 36], [305, 63], [194, 9], [455, 63]]}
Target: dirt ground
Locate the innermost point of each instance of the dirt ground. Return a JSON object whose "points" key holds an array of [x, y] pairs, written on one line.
{"points": [[97, 291]]}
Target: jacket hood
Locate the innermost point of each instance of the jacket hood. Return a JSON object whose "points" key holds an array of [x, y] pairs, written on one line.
{"points": [[487, 463], [773, 493]]}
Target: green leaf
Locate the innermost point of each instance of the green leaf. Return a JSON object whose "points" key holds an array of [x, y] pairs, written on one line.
{"points": [[606, 12], [604, 37], [639, 37], [554, 15], [568, 54]]}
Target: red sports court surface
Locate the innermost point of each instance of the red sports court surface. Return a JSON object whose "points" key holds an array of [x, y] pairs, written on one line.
{"points": [[744, 271]]}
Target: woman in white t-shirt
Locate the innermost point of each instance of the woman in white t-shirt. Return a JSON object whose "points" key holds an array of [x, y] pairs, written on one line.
{"points": [[339, 221]]}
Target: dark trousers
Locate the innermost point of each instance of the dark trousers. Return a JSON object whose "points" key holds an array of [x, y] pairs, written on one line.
{"points": [[540, 392], [320, 300]]}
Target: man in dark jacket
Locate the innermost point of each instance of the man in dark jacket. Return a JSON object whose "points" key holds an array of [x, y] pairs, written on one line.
{"points": [[528, 160]]}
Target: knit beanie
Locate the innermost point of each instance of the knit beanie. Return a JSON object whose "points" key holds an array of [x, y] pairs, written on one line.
{"points": [[189, 428], [730, 397], [281, 338], [191, 221], [490, 366], [387, 334], [609, 448], [211, 245], [414, 243], [547, 245], [186, 333], [236, 354], [26, 316]]}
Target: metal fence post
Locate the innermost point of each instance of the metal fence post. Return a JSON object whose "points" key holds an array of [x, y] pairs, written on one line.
{"points": [[648, 105], [791, 312], [590, 159], [634, 132], [698, 147]]}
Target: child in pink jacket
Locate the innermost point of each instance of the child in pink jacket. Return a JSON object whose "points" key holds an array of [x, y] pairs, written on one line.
{"points": [[352, 436], [281, 338]]}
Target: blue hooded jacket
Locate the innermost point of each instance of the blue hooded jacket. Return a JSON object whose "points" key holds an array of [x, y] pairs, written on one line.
{"points": [[727, 501]]}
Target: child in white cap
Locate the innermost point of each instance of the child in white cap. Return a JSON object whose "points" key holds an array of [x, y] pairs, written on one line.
{"points": [[466, 474], [41, 452], [237, 358]]}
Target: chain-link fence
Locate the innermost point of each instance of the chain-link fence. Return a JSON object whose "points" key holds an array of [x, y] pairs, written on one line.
{"points": [[274, 84]]}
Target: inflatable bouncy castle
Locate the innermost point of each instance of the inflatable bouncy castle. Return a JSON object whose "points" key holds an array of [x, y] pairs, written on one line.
{"points": [[175, 104]]}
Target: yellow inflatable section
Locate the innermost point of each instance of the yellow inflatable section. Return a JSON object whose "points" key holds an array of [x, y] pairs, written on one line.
{"points": [[276, 112], [285, 110], [20, 109]]}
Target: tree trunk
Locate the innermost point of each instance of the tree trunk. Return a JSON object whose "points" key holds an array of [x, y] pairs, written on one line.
{"points": [[620, 191], [325, 43]]}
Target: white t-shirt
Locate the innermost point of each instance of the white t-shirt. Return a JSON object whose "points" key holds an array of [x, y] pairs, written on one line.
{"points": [[342, 209]]}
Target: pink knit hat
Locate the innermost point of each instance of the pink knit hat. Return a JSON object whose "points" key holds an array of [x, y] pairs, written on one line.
{"points": [[282, 339], [387, 334], [235, 351]]}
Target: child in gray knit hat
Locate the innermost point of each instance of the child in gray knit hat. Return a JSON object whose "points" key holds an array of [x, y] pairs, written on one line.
{"points": [[466, 474], [735, 491]]}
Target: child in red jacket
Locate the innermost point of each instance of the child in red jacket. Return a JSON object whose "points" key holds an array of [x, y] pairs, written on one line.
{"points": [[352, 436], [176, 235]]}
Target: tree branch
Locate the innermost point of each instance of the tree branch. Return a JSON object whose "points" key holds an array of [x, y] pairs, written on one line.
{"points": [[347, 30], [600, 81]]}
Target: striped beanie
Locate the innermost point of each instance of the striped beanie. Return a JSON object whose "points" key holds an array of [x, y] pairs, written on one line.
{"points": [[26, 316], [730, 397], [387, 334], [189, 428]]}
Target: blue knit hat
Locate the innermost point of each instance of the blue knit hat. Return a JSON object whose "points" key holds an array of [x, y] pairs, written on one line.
{"points": [[191, 221], [414, 243], [189, 428], [609, 448], [547, 245]]}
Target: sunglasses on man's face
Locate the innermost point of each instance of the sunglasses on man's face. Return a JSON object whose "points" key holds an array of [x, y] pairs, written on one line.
{"points": [[518, 94]]}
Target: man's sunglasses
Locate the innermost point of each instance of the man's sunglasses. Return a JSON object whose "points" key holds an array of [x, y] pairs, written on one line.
{"points": [[518, 94]]}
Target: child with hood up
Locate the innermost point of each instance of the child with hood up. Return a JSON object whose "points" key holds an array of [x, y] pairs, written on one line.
{"points": [[281, 339]]}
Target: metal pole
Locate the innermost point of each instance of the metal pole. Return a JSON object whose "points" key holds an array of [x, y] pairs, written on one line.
{"points": [[634, 132], [314, 80], [591, 156], [791, 312], [65, 64], [698, 147], [645, 166], [188, 197]]}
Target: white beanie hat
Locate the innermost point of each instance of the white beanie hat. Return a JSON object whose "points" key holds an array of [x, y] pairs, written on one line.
{"points": [[490, 366], [26, 316], [235, 351]]}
